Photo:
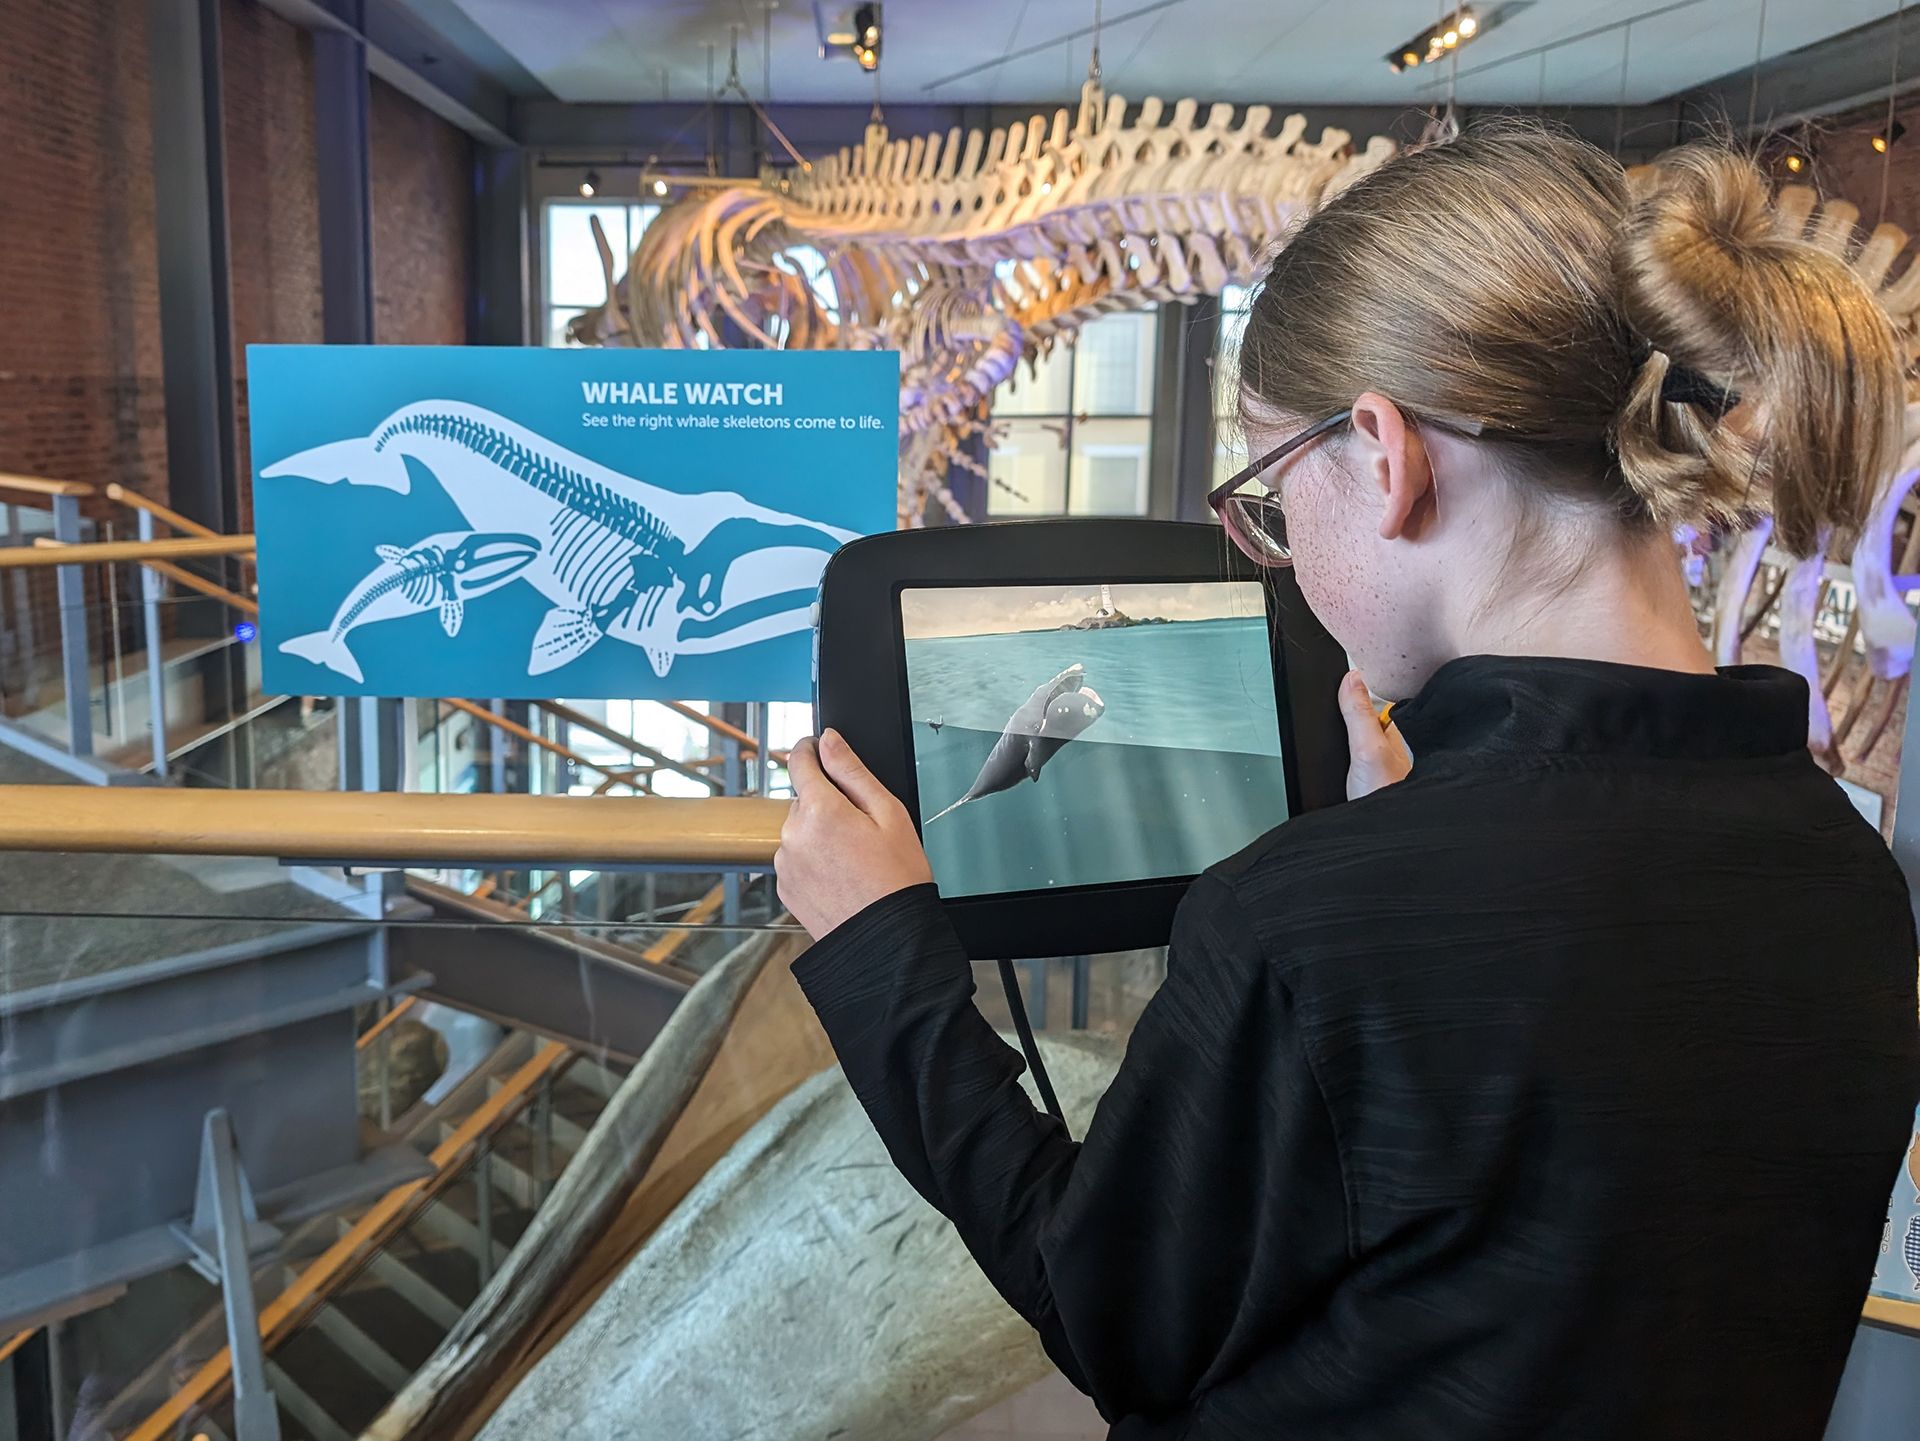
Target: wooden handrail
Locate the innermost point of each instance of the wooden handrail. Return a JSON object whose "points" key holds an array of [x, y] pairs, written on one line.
{"points": [[607, 733], [402, 828], [137, 501], [514, 728], [1883, 1311], [205, 587], [394, 1013], [44, 552], [14, 1343], [747, 743], [703, 911], [307, 1290], [41, 485]]}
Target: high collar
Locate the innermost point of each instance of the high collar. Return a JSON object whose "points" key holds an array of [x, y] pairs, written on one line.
{"points": [[1510, 706]]}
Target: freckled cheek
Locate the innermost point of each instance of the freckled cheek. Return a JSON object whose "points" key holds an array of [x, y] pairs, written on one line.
{"points": [[1331, 560]]}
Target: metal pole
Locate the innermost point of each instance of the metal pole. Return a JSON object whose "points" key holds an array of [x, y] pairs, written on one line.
{"points": [[1037, 993], [483, 1192], [156, 675], [22, 605], [497, 749], [254, 1414], [730, 882], [1082, 974], [114, 708], [543, 1142], [71, 587]]}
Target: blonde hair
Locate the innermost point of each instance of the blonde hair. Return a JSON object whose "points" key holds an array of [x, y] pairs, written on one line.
{"points": [[1512, 281]]}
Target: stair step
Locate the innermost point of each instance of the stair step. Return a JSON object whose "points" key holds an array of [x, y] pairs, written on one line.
{"points": [[345, 1335], [421, 1280], [307, 1413]]}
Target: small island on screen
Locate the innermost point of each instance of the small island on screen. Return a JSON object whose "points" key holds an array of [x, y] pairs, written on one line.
{"points": [[1078, 735]]}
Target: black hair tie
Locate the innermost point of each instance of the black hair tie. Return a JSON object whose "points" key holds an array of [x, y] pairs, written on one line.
{"points": [[1684, 386]]}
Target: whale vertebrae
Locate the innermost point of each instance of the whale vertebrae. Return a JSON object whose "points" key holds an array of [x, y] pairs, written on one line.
{"points": [[573, 488]]}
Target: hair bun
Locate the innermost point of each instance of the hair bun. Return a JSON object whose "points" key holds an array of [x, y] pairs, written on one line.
{"points": [[1714, 290]]}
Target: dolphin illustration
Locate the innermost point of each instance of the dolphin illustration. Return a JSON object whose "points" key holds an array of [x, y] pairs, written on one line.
{"points": [[442, 572], [1054, 714], [618, 557]]}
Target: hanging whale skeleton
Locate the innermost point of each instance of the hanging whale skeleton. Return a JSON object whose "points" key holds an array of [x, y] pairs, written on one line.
{"points": [[969, 253], [673, 573]]}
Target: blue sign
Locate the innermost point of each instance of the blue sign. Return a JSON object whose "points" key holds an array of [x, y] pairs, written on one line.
{"points": [[245, 632], [486, 521]]}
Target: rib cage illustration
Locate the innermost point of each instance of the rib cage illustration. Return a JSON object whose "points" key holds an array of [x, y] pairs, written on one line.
{"points": [[617, 557]]}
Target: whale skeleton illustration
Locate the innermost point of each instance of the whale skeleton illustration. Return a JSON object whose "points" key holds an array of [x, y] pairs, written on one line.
{"points": [[1056, 712], [670, 572], [442, 572]]}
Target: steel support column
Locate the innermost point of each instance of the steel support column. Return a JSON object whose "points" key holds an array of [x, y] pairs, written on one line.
{"points": [[190, 227], [1180, 463], [498, 295]]}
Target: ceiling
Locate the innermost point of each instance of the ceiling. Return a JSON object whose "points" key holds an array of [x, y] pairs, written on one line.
{"points": [[1280, 51]]}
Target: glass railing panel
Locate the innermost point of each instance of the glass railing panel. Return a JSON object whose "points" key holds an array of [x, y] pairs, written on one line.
{"points": [[407, 1086]]}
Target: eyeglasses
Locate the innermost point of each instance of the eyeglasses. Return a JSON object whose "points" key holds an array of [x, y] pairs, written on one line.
{"points": [[1254, 519]]}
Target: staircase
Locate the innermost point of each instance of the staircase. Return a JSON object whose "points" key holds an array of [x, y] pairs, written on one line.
{"points": [[375, 1328]]}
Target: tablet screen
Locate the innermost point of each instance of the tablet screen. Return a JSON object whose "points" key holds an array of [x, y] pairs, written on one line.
{"points": [[1084, 735]]}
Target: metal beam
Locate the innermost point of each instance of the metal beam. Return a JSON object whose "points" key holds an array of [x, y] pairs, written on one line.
{"points": [[342, 154], [413, 58], [1838, 73]]}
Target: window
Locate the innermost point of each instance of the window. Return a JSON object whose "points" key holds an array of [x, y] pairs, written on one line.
{"points": [[1229, 445], [574, 281], [1076, 434]]}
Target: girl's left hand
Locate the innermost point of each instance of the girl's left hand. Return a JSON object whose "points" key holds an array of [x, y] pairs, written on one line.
{"points": [[1376, 755], [846, 843]]}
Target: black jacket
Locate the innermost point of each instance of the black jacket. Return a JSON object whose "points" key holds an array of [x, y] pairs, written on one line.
{"points": [[1556, 1091]]}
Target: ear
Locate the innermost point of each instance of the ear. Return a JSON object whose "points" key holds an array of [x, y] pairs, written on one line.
{"points": [[1388, 453]]}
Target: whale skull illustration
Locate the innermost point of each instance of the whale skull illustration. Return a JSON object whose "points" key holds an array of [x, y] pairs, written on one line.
{"points": [[671, 572], [1058, 711], [442, 572]]}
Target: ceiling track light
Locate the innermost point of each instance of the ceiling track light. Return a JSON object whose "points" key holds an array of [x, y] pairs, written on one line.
{"points": [[590, 185], [1440, 39], [866, 29], [1885, 140]]}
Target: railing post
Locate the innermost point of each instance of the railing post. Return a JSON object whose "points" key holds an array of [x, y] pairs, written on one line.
{"points": [[497, 749], [732, 786], [760, 722], [22, 604], [543, 1142], [1082, 976], [156, 672], [222, 1192], [1037, 993], [71, 587], [483, 1205]]}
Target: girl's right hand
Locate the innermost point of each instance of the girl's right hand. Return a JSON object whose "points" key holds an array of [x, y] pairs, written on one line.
{"points": [[1376, 755]]}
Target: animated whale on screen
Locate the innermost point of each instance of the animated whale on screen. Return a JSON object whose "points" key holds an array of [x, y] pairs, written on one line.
{"points": [[1057, 712], [670, 572]]}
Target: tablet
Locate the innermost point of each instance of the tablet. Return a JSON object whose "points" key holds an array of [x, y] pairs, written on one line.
{"points": [[1080, 715]]}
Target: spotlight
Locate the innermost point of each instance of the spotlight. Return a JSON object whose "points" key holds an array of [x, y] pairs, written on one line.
{"points": [[1796, 162], [1887, 139], [659, 187], [1430, 44], [866, 25], [591, 185]]}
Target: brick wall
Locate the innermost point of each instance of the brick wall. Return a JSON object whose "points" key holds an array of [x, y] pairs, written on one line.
{"points": [[80, 393], [422, 223], [80, 356]]}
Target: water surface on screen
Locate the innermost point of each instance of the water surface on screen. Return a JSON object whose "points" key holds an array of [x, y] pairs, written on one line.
{"points": [[1075, 735]]}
